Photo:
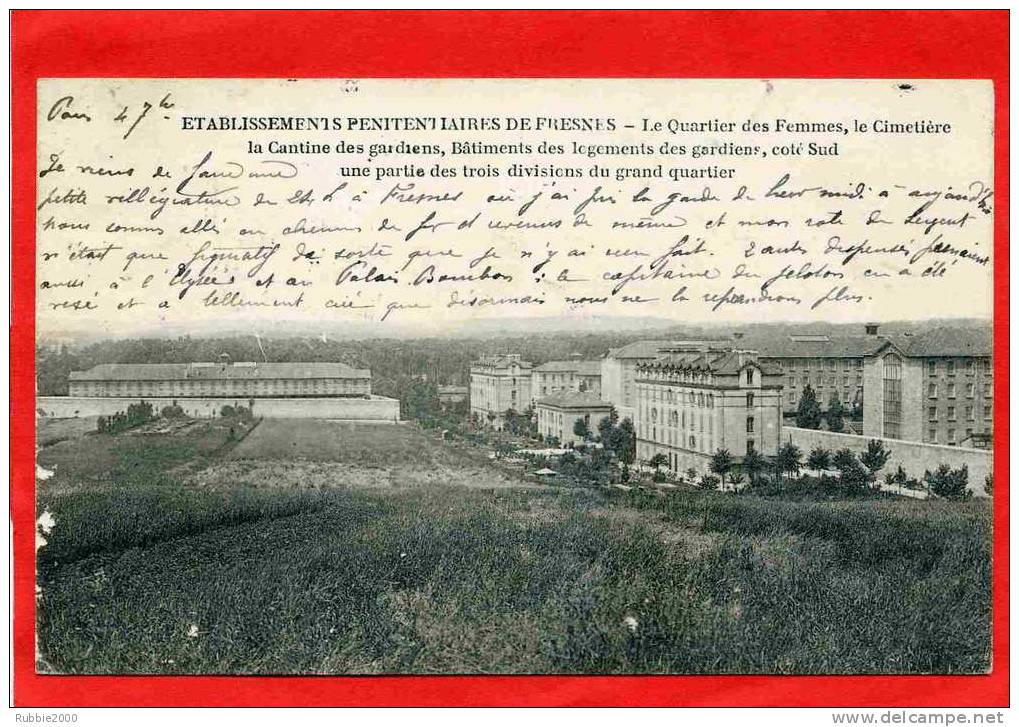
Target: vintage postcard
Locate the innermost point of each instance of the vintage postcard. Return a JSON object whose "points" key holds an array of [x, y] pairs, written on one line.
{"points": [[514, 376]]}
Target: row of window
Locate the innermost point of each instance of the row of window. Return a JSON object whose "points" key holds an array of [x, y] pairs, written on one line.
{"points": [[969, 366], [240, 386], [949, 389], [970, 413], [680, 420], [820, 380], [794, 397], [950, 434], [685, 441], [827, 363], [690, 398]]}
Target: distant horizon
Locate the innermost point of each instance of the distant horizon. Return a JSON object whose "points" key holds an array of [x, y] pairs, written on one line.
{"points": [[494, 328]]}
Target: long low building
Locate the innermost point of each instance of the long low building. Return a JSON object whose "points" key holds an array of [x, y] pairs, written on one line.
{"points": [[223, 379]]}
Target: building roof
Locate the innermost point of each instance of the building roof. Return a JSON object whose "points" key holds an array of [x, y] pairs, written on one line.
{"points": [[815, 346], [947, 342], [218, 371], [501, 360], [452, 389], [583, 368], [711, 361], [639, 349], [935, 342], [574, 400]]}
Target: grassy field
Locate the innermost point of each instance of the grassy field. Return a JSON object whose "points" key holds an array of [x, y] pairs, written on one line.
{"points": [[321, 547]]}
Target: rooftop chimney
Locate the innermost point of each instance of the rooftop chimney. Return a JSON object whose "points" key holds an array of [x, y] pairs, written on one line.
{"points": [[871, 329]]}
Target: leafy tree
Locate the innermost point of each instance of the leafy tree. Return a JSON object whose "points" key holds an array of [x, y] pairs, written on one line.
{"points": [[658, 460], [835, 414], [581, 429], [227, 411], [625, 442], [736, 479], [989, 485], [844, 459], [852, 474], [721, 463], [752, 465], [787, 460], [808, 413], [136, 415], [875, 457], [606, 428], [819, 459], [948, 483]]}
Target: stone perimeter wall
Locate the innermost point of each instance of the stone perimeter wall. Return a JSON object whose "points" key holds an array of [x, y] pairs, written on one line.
{"points": [[915, 457], [377, 408]]}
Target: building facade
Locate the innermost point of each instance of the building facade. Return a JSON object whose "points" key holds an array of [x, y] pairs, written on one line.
{"points": [[223, 379], [558, 415], [619, 370], [556, 377], [828, 365], [693, 401], [499, 382], [936, 388]]}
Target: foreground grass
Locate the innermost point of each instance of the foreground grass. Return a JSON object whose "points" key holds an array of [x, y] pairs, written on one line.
{"points": [[467, 581]]}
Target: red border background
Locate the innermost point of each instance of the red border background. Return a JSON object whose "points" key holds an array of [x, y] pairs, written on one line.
{"points": [[719, 44]]}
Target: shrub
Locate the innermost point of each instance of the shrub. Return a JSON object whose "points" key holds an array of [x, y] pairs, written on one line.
{"points": [[721, 463], [172, 411], [819, 459], [949, 484], [875, 457], [708, 482]]}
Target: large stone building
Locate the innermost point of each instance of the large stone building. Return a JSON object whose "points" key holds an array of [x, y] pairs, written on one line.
{"points": [[936, 388], [619, 369], [499, 382], [555, 377], [829, 365], [222, 379], [691, 401], [558, 415]]}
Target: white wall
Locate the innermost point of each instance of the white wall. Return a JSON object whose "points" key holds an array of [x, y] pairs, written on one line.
{"points": [[377, 408]]}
